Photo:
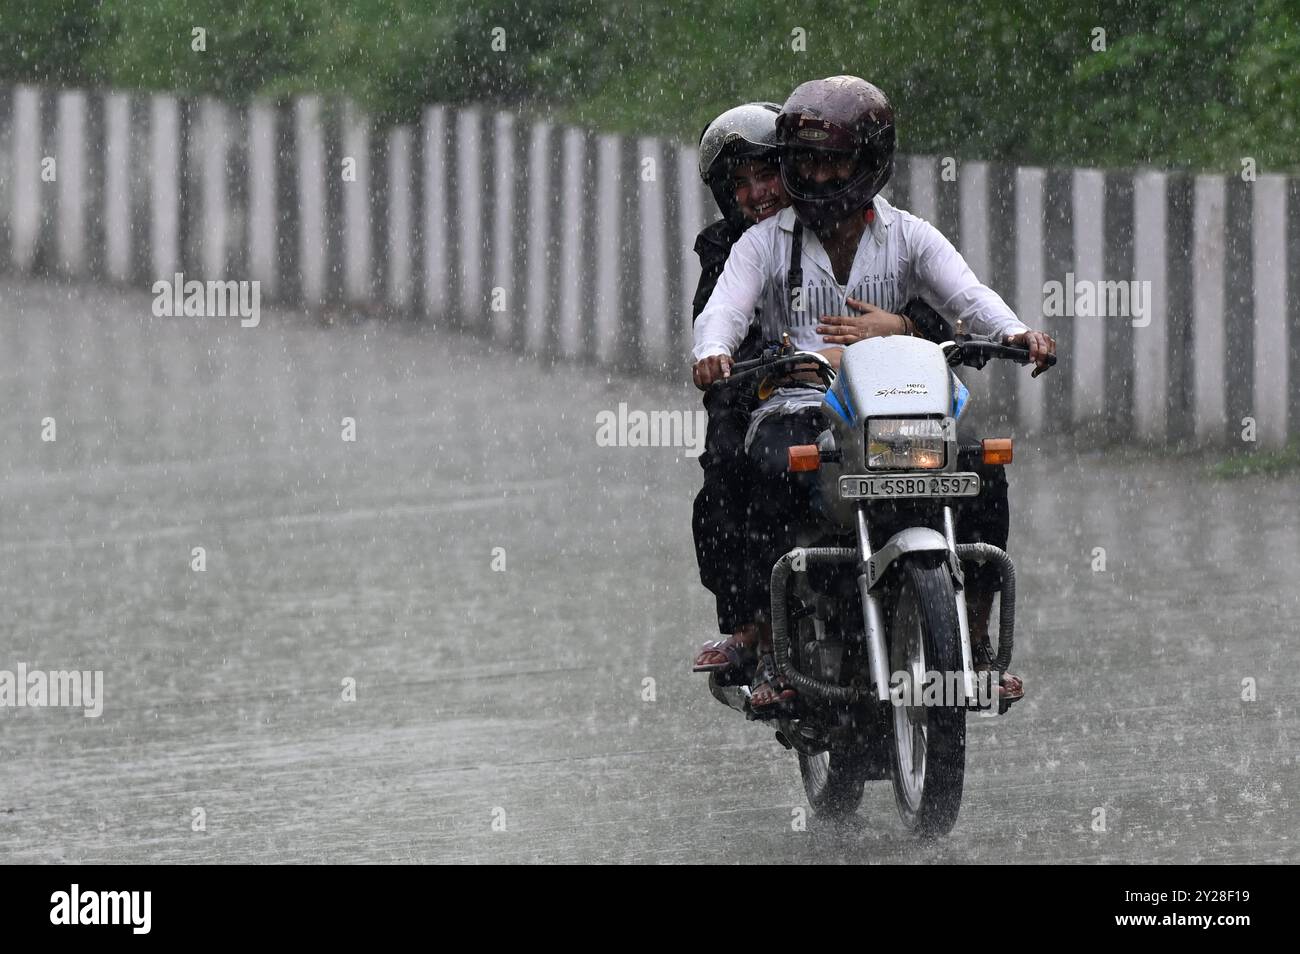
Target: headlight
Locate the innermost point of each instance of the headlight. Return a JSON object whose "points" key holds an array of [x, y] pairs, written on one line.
{"points": [[905, 444]]}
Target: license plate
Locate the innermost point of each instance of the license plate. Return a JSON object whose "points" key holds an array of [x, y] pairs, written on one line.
{"points": [[910, 485]]}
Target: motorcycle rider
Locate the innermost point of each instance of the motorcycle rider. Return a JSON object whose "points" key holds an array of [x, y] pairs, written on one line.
{"points": [[738, 161], [855, 258]]}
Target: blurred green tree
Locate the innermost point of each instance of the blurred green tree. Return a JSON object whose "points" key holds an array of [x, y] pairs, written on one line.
{"points": [[1184, 83]]}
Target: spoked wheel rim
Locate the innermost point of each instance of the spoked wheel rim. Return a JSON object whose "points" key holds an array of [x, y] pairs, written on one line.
{"points": [[911, 722]]}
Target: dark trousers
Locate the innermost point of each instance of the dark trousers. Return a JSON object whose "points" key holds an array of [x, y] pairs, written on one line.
{"points": [[721, 510], [782, 501], [985, 518]]}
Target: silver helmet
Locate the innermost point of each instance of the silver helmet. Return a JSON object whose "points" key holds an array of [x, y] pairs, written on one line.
{"points": [[743, 133]]}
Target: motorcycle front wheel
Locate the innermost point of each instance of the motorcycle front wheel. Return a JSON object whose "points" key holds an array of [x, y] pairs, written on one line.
{"points": [[928, 742]]}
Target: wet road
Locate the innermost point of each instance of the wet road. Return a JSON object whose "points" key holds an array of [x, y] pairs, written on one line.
{"points": [[499, 711]]}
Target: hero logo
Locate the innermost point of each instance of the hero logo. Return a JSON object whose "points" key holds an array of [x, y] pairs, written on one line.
{"points": [[906, 389], [813, 134]]}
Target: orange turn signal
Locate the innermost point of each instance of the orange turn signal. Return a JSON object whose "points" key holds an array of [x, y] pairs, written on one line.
{"points": [[997, 450], [805, 457]]}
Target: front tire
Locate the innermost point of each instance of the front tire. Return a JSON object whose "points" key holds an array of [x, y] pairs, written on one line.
{"points": [[928, 743]]}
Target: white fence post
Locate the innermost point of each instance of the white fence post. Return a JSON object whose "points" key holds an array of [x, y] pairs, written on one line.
{"points": [[72, 173], [652, 206], [1030, 395], [313, 251], [539, 264], [469, 216], [356, 206], [504, 267], [609, 207], [1208, 301], [922, 187], [118, 224], [573, 271], [1088, 353], [1272, 345], [434, 191], [1150, 341], [164, 164], [262, 235], [212, 141], [25, 208]]}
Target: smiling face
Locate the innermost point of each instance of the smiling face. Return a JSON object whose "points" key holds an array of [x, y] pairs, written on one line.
{"points": [[759, 192]]}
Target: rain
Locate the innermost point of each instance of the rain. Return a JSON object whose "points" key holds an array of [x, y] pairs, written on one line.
{"points": [[351, 376]]}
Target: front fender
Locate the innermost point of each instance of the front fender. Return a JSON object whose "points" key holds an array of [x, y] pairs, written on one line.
{"points": [[911, 540]]}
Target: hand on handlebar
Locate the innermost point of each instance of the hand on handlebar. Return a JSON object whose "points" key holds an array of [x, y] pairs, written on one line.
{"points": [[716, 367], [1040, 345], [718, 371]]}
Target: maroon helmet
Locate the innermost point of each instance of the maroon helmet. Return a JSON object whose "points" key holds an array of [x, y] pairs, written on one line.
{"points": [[840, 116]]}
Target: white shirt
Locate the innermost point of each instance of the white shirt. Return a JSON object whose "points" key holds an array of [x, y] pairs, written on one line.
{"points": [[899, 257]]}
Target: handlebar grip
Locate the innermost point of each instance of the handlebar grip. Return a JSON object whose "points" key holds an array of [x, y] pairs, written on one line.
{"points": [[976, 352], [1022, 354]]}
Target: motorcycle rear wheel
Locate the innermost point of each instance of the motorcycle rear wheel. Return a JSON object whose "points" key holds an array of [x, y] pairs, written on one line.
{"points": [[833, 782]]}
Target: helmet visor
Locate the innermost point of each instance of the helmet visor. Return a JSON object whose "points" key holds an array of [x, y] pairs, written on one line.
{"points": [[823, 174], [745, 130]]}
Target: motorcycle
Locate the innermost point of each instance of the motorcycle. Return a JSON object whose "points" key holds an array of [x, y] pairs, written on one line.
{"points": [[868, 612]]}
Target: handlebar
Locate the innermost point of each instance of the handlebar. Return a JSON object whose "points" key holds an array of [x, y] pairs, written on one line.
{"points": [[769, 362], [975, 351]]}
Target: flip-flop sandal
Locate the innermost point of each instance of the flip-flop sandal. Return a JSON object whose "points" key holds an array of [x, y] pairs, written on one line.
{"points": [[1009, 695], [771, 692], [736, 656]]}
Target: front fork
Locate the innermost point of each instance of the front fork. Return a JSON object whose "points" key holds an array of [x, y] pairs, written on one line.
{"points": [[959, 588], [873, 615]]}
